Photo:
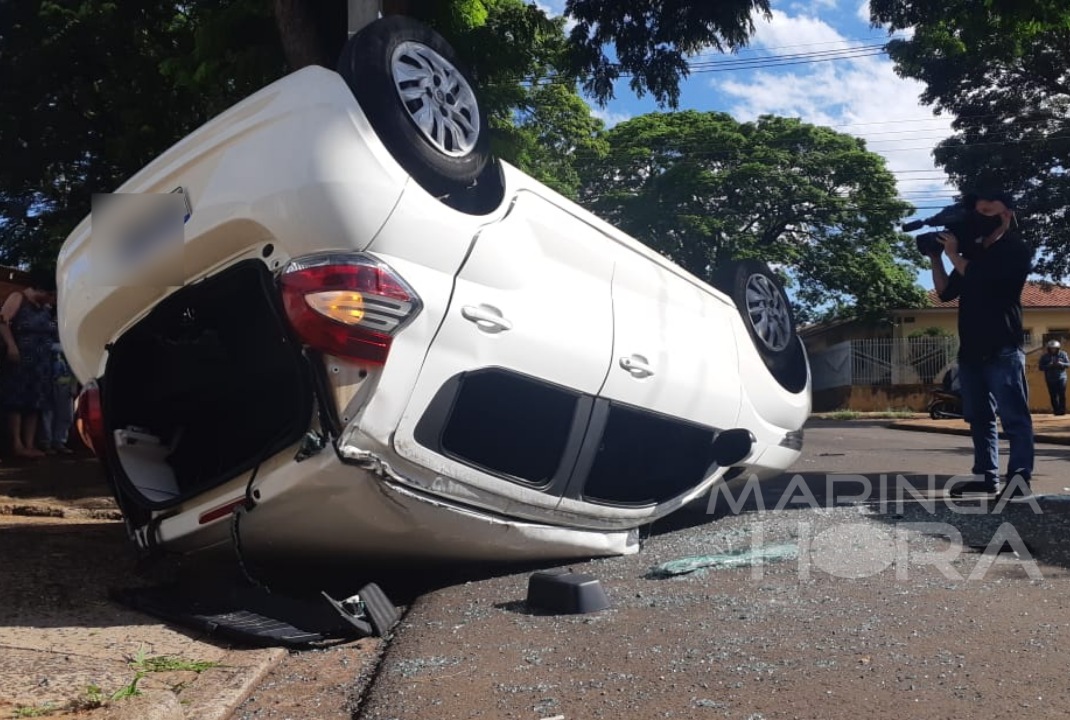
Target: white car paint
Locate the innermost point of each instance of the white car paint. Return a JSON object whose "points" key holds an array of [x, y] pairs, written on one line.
{"points": [[298, 166]]}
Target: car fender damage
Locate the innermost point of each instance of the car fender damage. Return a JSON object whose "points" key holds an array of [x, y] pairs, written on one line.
{"points": [[367, 504]]}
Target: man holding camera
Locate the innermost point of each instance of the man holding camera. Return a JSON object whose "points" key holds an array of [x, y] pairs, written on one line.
{"points": [[987, 276]]}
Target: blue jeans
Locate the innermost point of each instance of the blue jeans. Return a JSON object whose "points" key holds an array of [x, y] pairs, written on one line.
{"points": [[998, 386]]}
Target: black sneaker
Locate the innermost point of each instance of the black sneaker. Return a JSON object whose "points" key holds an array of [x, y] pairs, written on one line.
{"points": [[1017, 485], [985, 486]]}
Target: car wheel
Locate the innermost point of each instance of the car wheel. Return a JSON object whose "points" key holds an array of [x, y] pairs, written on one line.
{"points": [[420, 102], [764, 305], [768, 317]]}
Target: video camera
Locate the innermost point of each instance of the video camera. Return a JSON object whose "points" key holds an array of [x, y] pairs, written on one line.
{"points": [[960, 219]]}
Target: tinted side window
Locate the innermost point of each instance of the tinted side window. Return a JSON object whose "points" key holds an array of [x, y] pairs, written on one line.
{"points": [[507, 424], [645, 458]]}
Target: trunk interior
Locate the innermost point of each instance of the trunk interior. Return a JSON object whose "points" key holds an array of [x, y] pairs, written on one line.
{"points": [[209, 385]]}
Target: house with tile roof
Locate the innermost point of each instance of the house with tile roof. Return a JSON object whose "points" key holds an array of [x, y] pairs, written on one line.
{"points": [[1045, 315], [893, 365]]}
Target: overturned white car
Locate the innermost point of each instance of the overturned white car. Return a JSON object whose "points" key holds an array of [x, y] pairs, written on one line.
{"points": [[388, 345]]}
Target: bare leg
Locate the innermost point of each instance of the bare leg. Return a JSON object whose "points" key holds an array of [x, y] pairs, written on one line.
{"points": [[23, 428]]}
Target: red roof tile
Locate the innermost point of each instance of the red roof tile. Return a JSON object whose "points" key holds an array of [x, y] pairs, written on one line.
{"points": [[1034, 294]]}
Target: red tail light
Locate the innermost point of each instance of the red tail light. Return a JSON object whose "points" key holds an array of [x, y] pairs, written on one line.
{"points": [[348, 305], [89, 418]]}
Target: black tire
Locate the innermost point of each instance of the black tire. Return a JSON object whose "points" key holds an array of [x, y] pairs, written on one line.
{"points": [[780, 348], [763, 304], [937, 410], [462, 152]]}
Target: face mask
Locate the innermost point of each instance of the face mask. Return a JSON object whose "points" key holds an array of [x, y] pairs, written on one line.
{"points": [[988, 224]]}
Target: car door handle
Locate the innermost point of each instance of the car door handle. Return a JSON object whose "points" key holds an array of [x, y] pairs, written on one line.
{"points": [[637, 365], [487, 318]]}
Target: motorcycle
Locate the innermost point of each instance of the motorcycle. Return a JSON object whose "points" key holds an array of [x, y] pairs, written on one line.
{"points": [[945, 405], [946, 402]]}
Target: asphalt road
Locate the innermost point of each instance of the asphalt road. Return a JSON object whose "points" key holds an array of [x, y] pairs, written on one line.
{"points": [[867, 447], [865, 609]]}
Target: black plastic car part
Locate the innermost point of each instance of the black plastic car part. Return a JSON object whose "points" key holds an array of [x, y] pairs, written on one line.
{"points": [[564, 592]]}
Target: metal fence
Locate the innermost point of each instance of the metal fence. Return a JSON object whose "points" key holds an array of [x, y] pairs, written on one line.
{"points": [[883, 361]]}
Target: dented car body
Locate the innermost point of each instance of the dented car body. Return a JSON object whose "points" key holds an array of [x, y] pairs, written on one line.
{"points": [[376, 354]]}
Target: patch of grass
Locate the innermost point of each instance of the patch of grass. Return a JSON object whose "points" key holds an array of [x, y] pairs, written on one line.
{"points": [[128, 690], [94, 697], [858, 415], [838, 415], [29, 711], [165, 663], [142, 664]]}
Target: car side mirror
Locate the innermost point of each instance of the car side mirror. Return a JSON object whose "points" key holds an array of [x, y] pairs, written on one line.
{"points": [[731, 446]]}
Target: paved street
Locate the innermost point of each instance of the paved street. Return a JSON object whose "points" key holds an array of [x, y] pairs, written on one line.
{"points": [[865, 620]]}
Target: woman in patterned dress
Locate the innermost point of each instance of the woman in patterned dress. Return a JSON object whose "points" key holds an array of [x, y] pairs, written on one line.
{"points": [[27, 328]]}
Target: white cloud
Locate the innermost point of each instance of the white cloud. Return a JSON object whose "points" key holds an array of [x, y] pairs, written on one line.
{"points": [[862, 96], [608, 117], [863, 12], [552, 8], [813, 6], [785, 31]]}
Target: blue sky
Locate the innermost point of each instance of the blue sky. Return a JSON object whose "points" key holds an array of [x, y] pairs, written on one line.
{"points": [[858, 95]]}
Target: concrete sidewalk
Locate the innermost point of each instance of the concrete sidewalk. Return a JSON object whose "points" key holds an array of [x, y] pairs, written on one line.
{"points": [[1046, 427], [65, 647]]}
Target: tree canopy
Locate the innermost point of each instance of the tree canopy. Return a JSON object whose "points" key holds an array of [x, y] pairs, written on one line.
{"points": [[651, 40], [1002, 69], [701, 188], [99, 88]]}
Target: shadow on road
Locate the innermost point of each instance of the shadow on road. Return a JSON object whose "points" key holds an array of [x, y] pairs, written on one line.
{"points": [[1041, 524]]}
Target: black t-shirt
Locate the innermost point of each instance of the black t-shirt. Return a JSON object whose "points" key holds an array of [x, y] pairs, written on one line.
{"points": [[990, 298]]}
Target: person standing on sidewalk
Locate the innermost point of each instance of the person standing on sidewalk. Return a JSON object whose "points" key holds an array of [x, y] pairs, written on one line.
{"points": [[988, 287], [1053, 364], [57, 415], [25, 386]]}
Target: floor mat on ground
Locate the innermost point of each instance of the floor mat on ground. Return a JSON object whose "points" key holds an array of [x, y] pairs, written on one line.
{"points": [[255, 617]]}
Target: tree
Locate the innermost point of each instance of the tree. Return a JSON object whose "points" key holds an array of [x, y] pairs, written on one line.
{"points": [[552, 137], [99, 90], [102, 89], [651, 40], [703, 188], [1002, 68]]}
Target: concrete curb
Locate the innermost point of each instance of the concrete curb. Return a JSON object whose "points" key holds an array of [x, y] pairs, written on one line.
{"points": [[915, 426], [218, 692], [215, 694]]}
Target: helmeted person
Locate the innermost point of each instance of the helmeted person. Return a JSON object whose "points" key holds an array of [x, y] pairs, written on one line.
{"points": [[1053, 364]]}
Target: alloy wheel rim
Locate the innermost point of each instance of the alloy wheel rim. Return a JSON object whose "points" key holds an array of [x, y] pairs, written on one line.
{"points": [[768, 311], [437, 97]]}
